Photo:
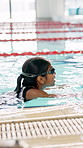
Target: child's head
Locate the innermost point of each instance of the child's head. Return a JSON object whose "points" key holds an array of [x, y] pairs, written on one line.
{"points": [[31, 69], [35, 66]]}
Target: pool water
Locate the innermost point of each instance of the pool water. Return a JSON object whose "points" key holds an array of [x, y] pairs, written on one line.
{"points": [[69, 80], [69, 67]]}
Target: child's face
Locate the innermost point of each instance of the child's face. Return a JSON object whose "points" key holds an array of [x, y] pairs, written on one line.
{"points": [[50, 77]]}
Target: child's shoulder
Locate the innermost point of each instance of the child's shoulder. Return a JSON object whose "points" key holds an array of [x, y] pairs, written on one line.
{"points": [[35, 93]]}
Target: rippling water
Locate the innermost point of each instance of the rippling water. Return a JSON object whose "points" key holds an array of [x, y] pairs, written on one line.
{"points": [[69, 79], [69, 67]]}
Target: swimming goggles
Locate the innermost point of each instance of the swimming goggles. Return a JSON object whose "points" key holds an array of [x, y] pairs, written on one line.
{"points": [[51, 71]]}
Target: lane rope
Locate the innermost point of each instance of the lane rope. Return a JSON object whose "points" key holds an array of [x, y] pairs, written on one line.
{"points": [[41, 39], [41, 25], [41, 32], [41, 53]]}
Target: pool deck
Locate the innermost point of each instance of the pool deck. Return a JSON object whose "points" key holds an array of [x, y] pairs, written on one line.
{"points": [[32, 114], [58, 113]]}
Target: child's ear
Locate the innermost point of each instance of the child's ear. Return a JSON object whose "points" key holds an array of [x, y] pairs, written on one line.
{"points": [[41, 79]]}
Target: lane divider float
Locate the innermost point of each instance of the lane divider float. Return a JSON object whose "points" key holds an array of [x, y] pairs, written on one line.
{"points": [[41, 53]]}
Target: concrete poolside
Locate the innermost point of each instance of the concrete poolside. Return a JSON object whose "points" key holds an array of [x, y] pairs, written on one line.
{"points": [[44, 127], [37, 113]]}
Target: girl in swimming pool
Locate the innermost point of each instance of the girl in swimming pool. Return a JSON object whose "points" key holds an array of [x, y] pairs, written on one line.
{"points": [[37, 74]]}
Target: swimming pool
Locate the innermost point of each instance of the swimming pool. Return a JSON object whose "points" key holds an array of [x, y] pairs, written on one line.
{"points": [[69, 80], [69, 67]]}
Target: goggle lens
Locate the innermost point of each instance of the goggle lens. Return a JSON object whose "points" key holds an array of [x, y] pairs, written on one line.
{"points": [[51, 71]]}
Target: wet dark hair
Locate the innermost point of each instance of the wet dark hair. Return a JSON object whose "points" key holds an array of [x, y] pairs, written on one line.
{"points": [[35, 66]]}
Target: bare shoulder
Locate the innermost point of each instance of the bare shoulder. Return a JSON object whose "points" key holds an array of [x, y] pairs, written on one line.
{"points": [[35, 93]]}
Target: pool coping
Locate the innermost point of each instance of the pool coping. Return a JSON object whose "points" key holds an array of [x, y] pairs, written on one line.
{"points": [[40, 113], [31, 115]]}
